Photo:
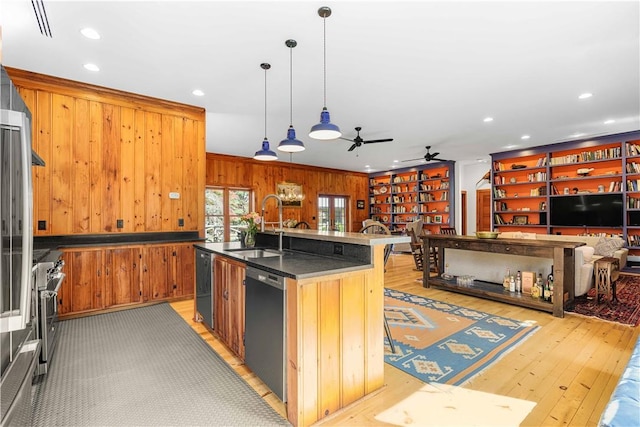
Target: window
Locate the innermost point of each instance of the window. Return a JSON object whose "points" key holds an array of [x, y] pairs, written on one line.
{"points": [[223, 209], [332, 213]]}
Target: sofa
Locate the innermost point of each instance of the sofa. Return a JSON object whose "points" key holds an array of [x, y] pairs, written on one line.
{"points": [[623, 409], [595, 247]]}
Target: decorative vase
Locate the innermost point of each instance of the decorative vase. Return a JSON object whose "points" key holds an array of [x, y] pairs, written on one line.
{"points": [[250, 239]]}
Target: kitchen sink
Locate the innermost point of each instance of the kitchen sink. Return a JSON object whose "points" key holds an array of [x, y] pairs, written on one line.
{"points": [[255, 253]]}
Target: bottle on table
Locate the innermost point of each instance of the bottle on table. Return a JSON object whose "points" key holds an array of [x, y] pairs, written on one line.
{"points": [[550, 280], [518, 282], [536, 291], [506, 280], [512, 284]]}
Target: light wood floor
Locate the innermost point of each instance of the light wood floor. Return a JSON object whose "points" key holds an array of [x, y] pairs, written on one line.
{"points": [[569, 367]]}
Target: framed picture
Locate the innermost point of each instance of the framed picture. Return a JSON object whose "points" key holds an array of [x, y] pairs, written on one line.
{"points": [[360, 204], [521, 219], [437, 219], [290, 193]]}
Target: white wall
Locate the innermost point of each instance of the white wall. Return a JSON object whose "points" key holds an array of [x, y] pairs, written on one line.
{"points": [[467, 175]]}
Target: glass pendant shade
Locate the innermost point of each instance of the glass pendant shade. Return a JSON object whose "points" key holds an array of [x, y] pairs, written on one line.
{"points": [[325, 129], [290, 144], [265, 153]]}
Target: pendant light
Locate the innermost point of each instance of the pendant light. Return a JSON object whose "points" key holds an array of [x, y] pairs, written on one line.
{"points": [[290, 144], [325, 129], [265, 153]]}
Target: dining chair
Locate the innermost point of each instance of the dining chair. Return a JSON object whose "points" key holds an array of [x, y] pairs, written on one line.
{"points": [[302, 224]]}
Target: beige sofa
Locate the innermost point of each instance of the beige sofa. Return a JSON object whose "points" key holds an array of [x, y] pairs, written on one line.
{"points": [[595, 247]]}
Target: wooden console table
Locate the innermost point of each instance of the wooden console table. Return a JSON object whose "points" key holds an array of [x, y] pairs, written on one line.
{"points": [[562, 253]]}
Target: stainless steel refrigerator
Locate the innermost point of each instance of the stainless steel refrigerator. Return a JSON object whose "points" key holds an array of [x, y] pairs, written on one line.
{"points": [[19, 348]]}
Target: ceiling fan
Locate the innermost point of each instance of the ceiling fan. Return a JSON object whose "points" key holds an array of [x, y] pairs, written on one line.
{"points": [[358, 141], [428, 157]]}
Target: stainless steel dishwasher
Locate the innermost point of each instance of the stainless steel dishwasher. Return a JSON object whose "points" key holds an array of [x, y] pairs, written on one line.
{"points": [[265, 328]]}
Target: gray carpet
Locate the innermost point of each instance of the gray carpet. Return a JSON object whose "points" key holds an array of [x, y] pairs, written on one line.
{"points": [[143, 366]]}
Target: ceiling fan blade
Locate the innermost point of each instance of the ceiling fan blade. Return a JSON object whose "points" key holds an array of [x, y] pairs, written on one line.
{"points": [[439, 160], [377, 140], [413, 160], [434, 155], [346, 139], [353, 147]]}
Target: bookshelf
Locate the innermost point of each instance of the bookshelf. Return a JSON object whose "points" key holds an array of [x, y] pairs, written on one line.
{"points": [[425, 192], [524, 182]]}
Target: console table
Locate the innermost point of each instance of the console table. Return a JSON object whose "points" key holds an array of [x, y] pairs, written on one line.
{"points": [[562, 254]]}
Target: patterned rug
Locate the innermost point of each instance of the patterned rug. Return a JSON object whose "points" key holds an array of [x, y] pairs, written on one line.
{"points": [[438, 342], [625, 310]]}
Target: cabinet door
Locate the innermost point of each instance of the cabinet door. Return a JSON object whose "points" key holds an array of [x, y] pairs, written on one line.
{"points": [[183, 270], [122, 281], [236, 302], [82, 289], [220, 292], [156, 275]]}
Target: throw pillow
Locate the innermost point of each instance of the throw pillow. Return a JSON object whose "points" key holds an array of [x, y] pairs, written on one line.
{"points": [[606, 246]]}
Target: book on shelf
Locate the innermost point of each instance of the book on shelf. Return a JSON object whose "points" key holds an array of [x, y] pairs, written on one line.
{"points": [[497, 218], [632, 149]]}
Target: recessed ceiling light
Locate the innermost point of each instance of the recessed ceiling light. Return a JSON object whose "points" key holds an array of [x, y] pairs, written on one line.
{"points": [[585, 95], [90, 33], [198, 92], [488, 119], [525, 137], [92, 67], [367, 166], [608, 122], [396, 161]]}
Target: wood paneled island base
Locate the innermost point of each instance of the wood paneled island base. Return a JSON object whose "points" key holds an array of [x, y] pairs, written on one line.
{"points": [[562, 254]]}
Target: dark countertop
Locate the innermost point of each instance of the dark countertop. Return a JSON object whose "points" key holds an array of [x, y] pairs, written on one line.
{"points": [[293, 264], [113, 239]]}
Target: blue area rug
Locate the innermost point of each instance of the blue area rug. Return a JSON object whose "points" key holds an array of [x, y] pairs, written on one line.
{"points": [[438, 342]]}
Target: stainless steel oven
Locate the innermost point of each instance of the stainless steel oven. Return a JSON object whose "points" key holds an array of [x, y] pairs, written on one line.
{"points": [[49, 278]]}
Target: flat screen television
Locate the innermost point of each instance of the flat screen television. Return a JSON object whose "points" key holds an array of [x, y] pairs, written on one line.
{"points": [[593, 210]]}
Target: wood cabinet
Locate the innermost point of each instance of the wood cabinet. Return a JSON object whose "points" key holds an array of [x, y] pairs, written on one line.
{"points": [[229, 302], [100, 278], [121, 277], [406, 195], [83, 287], [525, 183]]}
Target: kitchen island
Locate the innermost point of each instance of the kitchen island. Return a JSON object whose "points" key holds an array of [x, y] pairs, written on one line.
{"points": [[334, 334]]}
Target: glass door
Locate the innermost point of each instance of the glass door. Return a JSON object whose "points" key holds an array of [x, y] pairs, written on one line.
{"points": [[332, 213]]}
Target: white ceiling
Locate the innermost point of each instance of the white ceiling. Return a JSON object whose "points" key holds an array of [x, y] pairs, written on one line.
{"points": [[421, 72]]}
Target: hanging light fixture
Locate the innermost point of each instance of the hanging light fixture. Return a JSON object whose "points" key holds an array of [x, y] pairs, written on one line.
{"points": [[265, 153], [290, 144], [290, 192], [325, 129]]}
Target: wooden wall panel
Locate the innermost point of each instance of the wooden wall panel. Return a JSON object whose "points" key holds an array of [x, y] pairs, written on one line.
{"points": [[166, 171], [139, 187], [262, 177], [153, 162], [178, 166], [110, 170], [113, 155], [127, 169], [61, 160], [96, 187], [81, 176]]}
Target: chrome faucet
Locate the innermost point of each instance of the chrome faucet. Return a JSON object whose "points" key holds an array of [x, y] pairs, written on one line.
{"points": [[280, 229]]}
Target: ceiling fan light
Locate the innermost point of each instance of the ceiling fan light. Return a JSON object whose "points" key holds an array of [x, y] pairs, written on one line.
{"points": [[290, 144], [325, 130], [265, 153]]}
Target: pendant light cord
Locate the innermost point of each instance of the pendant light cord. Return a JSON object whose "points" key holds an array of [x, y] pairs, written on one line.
{"points": [[291, 86], [265, 103], [324, 55]]}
